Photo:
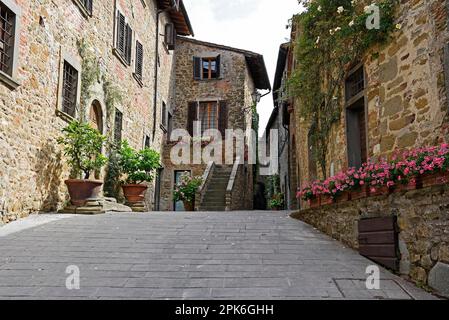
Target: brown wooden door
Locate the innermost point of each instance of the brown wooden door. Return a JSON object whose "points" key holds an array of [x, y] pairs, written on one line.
{"points": [[96, 117], [378, 241]]}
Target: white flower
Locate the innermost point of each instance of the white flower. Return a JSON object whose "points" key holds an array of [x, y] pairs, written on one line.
{"points": [[337, 29], [319, 8], [340, 9], [353, 2], [331, 31], [317, 40], [351, 23], [367, 9], [399, 26]]}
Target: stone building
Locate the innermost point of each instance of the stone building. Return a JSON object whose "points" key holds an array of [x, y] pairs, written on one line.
{"points": [[402, 97], [216, 86], [62, 60]]}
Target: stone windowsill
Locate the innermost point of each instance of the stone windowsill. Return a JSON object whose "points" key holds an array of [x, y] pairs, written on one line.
{"points": [[64, 116], [138, 79], [9, 81], [120, 58]]}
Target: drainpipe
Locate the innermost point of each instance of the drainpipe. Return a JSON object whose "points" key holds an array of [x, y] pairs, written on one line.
{"points": [[156, 70]]}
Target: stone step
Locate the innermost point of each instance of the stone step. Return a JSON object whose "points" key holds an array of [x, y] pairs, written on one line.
{"points": [[212, 209]]}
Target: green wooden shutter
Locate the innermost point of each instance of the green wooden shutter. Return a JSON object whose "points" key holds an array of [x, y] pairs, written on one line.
{"points": [[197, 68]]}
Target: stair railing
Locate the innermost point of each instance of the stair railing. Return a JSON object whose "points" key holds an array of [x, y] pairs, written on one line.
{"points": [[207, 175], [231, 183]]}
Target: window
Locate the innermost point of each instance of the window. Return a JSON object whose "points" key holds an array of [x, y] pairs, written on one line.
{"points": [[147, 142], [118, 126], [169, 125], [139, 61], [85, 6], [207, 68], [355, 117], [164, 115], [69, 89], [211, 115], [208, 116], [9, 32], [123, 39]]}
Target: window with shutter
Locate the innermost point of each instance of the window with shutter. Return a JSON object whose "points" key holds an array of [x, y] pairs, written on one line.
{"points": [[206, 68], [129, 38], [118, 126], [197, 68], [223, 118], [191, 116], [139, 60], [120, 34]]}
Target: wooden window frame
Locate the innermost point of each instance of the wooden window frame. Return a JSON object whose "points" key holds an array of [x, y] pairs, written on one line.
{"points": [[138, 62], [351, 102], [198, 70], [118, 134], [208, 105], [9, 76]]}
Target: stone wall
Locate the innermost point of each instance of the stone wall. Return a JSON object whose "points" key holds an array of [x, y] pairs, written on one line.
{"points": [[423, 221], [406, 97], [32, 168]]}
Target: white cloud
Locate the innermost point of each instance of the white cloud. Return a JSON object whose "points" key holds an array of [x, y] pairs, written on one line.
{"points": [[255, 25]]}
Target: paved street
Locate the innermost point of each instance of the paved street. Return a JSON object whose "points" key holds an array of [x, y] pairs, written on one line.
{"points": [[238, 255]]}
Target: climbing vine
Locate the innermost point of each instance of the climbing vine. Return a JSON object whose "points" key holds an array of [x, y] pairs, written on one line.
{"points": [[330, 36]]}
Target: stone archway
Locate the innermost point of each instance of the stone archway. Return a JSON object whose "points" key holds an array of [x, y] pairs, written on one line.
{"points": [[96, 116]]}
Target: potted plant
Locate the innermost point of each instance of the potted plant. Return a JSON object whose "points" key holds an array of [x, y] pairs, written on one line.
{"points": [[186, 189], [139, 167], [82, 146], [277, 201]]}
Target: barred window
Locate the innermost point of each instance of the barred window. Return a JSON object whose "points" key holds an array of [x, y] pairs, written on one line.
{"points": [[7, 24], [69, 89]]}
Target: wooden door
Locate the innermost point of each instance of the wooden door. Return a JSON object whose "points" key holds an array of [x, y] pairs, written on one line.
{"points": [[96, 117]]}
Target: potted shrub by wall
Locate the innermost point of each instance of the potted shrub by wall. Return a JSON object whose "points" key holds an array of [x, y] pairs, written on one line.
{"points": [[277, 201], [186, 189], [82, 146], [139, 167]]}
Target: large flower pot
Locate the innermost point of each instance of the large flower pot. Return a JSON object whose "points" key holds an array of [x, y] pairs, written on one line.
{"points": [[360, 193], [81, 189], [189, 206], [402, 187], [343, 197], [134, 193], [379, 191], [327, 200]]}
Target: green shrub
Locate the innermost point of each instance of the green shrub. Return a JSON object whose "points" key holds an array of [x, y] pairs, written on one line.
{"points": [[82, 146]]}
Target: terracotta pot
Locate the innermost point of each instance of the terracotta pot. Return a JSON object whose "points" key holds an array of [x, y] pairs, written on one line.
{"points": [[134, 193], [379, 191], [326, 200], [189, 206], [361, 193], [81, 189], [343, 197], [314, 203]]}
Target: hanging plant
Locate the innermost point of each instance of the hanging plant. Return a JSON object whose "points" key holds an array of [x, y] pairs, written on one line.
{"points": [[331, 35]]}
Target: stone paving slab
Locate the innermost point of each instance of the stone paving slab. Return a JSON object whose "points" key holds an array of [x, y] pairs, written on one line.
{"points": [[209, 255]]}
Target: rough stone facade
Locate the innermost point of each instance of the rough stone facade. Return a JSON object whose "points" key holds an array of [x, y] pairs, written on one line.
{"points": [[236, 86], [32, 168], [423, 221], [406, 93]]}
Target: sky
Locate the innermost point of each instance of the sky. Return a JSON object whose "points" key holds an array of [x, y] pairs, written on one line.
{"points": [[254, 25]]}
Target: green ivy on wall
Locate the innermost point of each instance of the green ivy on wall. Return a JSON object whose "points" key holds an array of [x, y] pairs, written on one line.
{"points": [[331, 35]]}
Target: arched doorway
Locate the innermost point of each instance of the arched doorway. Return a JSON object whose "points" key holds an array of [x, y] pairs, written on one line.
{"points": [[96, 116]]}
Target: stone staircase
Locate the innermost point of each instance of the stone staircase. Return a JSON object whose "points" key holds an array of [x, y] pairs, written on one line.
{"points": [[215, 195]]}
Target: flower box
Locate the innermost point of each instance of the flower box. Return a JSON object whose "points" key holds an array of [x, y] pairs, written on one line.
{"points": [[361, 193], [379, 191], [314, 203], [326, 200], [432, 179], [402, 187], [343, 197]]}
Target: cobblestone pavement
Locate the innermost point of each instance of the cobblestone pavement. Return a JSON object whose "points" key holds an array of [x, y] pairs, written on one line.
{"points": [[238, 255]]}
